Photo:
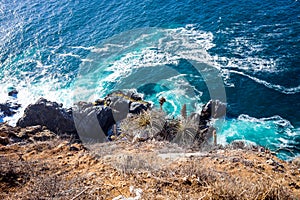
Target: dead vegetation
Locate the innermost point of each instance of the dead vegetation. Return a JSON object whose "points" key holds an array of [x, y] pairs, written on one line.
{"points": [[60, 170], [158, 165]]}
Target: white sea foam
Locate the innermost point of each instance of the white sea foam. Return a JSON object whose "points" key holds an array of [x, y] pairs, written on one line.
{"points": [[69, 54], [185, 43], [120, 58], [279, 88]]}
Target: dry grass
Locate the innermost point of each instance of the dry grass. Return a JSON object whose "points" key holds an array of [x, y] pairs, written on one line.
{"points": [[193, 180], [54, 170], [50, 173]]}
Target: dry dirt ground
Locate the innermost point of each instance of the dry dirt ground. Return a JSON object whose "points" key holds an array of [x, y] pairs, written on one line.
{"points": [[53, 168]]}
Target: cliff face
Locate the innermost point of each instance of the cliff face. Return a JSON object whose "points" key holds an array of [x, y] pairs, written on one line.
{"points": [[37, 164]]}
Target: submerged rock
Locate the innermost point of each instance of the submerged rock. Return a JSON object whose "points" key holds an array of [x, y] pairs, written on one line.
{"points": [[9, 108], [49, 114], [13, 93]]}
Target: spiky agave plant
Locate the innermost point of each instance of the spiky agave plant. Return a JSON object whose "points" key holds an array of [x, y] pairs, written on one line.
{"points": [[186, 132], [151, 122]]}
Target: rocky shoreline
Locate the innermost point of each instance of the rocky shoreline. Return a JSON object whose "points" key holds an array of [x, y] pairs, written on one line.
{"points": [[94, 122], [54, 152]]}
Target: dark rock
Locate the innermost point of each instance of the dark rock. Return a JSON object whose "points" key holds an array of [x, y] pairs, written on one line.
{"points": [[136, 97], [92, 122], [294, 185], [49, 114], [248, 163], [123, 103], [271, 162], [238, 144], [5, 109], [4, 140], [9, 108], [74, 148], [105, 118], [14, 105], [213, 109], [137, 108], [13, 93], [234, 160], [119, 105]]}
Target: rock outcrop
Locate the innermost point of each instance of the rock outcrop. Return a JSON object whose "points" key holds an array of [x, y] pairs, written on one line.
{"points": [[94, 122], [212, 109], [10, 135], [49, 114], [9, 109]]}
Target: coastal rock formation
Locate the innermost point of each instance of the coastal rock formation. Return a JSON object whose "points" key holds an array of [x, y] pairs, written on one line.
{"points": [[92, 122], [95, 122], [212, 109], [9, 109], [49, 114], [125, 102]]}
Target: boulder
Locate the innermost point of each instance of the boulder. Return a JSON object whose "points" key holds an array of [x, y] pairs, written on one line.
{"points": [[120, 106], [212, 109], [92, 122], [9, 108], [5, 109], [49, 114]]}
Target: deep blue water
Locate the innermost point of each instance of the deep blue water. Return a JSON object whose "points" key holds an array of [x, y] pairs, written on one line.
{"points": [[246, 53]]}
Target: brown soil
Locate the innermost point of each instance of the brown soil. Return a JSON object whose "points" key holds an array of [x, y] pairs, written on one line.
{"points": [[56, 169]]}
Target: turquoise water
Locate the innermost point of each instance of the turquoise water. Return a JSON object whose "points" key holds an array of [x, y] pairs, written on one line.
{"points": [[245, 53]]}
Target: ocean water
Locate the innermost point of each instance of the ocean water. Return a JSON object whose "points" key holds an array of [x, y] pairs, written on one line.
{"points": [[245, 53]]}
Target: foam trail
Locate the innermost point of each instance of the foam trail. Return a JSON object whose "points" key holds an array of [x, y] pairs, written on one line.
{"points": [[69, 54], [278, 88]]}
